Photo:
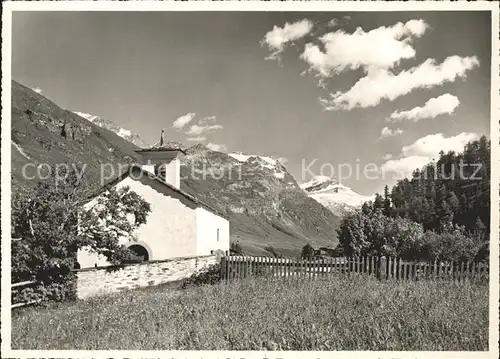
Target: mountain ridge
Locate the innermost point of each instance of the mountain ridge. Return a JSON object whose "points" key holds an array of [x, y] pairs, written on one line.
{"points": [[110, 125], [265, 209], [340, 199]]}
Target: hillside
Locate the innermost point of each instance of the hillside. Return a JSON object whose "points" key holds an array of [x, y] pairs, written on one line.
{"points": [[120, 131], [265, 205], [43, 133]]}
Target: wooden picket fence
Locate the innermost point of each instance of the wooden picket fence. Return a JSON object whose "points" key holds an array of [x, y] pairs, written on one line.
{"points": [[239, 267]]}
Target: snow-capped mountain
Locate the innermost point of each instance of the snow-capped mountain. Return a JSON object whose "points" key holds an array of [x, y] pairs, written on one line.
{"points": [[334, 196], [110, 125], [269, 163]]}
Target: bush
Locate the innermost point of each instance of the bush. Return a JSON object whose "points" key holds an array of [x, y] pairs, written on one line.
{"points": [[273, 251], [211, 276], [373, 233], [454, 245], [307, 252], [235, 248]]}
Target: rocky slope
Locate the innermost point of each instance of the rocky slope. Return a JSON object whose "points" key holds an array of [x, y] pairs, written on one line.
{"points": [[120, 131], [334, 196], [265, 205], [43, 133]]}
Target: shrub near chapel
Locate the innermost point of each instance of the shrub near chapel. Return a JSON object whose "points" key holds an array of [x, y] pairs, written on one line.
{"points": [[51, 225]]}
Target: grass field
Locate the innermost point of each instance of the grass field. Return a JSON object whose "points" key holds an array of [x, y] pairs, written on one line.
{"points": [[356, 313]]}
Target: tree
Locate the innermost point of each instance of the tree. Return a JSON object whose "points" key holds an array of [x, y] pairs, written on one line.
{"points": [[451, 245], [449, 193], [55, 220], [307, 252], [377, 234], [480, 230], [236, 248], [367, 207], [379, 202], [387, 201]]}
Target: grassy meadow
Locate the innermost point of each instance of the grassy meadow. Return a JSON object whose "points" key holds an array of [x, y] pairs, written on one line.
{"points": [[344, 313]]}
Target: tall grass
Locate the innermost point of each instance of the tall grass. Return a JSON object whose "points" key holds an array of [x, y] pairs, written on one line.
{"points": [[356, 313]]}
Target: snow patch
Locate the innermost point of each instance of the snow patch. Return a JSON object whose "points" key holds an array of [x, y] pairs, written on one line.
{"points": [[316, 181], [270, 163], [124, 133], [335, 196], [244, 157], [20, 150], [86, 116]]}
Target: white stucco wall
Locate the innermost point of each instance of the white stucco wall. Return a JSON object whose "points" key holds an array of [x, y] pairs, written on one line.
{"points": [[173, 173], [170, 230], [207, 224]]}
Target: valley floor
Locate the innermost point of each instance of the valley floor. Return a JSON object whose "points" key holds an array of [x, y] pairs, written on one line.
{"points": [[356, 313]]}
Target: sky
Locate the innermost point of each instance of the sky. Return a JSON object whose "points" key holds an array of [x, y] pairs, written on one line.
{"points": [[327, 93]]}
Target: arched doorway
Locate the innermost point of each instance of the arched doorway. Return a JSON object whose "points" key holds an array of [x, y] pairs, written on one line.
{"points": [[140, 253]]}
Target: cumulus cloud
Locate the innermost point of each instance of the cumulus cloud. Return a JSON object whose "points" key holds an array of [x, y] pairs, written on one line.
{"points": [[333, 22], [37, 90], [431, 145], [444, 104], [387, 132], [424, 151], [404, 167], [207, 119], [277, 39], [196, 139], [183, 120], [200, 129], [383, 84], [383, 47], [217, 147]]}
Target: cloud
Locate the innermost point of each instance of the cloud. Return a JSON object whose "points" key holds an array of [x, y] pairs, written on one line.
{"points": [[206, 120], [424, 151], [404, 167], [383, 84], [380, 48], [217, 147], [387, 132], [387, 156], [197, 130], [196, 139], [431, 145], [38, 90], [333, 22], [444, 104], [183, 120], [279, 37]]}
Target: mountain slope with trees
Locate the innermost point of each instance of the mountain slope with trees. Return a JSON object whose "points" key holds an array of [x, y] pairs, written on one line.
{"points": [[442, 212]]}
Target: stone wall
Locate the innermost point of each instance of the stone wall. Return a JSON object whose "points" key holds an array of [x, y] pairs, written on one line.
{"points": [[95, 281]]}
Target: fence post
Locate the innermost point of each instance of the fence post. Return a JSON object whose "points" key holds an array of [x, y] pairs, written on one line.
{"points": [[382, 268], [223, 268]]}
